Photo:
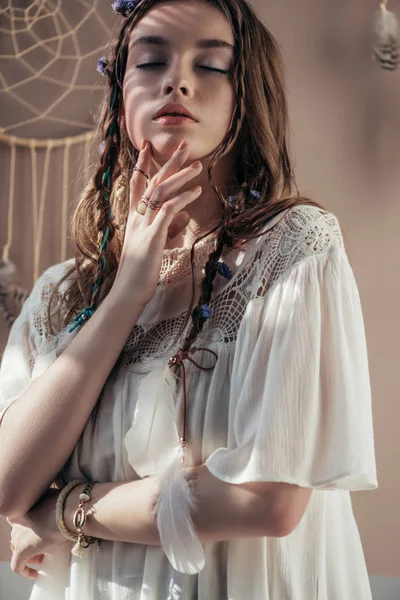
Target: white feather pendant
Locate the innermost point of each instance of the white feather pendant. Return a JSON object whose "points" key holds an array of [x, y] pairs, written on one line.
{"points": [[153, 448], [151, 441], [386, 38], [178, 536]]}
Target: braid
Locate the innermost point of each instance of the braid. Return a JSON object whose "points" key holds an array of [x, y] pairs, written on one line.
{"points": [[103, 181], [201, 313]]}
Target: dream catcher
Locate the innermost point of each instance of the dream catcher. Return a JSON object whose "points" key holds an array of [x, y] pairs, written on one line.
{"points": [[48, 90]]}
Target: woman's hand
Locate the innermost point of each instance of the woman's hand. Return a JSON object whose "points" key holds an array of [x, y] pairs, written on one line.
{"points": [[146, 235], [36, 534]]}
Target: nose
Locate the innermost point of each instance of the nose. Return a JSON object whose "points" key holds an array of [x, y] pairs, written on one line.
{"points": [[170, 89], [177, 80]]}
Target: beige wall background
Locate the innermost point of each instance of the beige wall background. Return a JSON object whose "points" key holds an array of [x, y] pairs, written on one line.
{"points": [[345, 118]]}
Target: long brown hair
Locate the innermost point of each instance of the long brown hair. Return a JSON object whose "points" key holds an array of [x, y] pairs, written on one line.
{"points": [[259, 124]]}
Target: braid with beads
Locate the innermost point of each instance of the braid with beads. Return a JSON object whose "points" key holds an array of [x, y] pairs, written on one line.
{"points": [[103, 180]]}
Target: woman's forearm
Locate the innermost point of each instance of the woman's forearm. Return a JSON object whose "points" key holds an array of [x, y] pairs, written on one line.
{"points": [[41, 428], [123, 510]]}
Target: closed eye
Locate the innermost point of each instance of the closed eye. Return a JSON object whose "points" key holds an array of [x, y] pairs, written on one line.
{"points": [[156, 64]]}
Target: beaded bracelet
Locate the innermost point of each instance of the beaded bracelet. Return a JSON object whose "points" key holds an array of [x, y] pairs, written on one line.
{"points": [[79, 520]]}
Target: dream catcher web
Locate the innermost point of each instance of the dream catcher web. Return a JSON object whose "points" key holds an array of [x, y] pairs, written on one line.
{"points": [[49, 93]]}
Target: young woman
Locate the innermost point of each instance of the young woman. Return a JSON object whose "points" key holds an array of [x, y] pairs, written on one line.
{"points": [[200, 370]]}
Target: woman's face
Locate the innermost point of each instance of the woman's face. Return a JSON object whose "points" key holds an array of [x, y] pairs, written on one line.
{"points": [[182, 34]]}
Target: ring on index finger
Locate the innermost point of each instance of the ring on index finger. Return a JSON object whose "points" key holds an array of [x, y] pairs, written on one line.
{"points": [[140, 171]]}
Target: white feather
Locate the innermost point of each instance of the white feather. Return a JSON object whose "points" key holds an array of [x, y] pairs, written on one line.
{"points": [[151, 441], [153, 448], [175, 525], [386, 42]]}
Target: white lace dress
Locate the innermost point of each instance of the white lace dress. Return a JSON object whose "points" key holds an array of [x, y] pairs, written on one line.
{"points": [[288, 400]]}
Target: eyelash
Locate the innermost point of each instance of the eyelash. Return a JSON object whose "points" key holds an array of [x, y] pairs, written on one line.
{"points": [[152, 64]]}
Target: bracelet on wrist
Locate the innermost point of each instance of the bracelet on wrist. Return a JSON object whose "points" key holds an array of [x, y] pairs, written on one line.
{"points": [[79, 520]]}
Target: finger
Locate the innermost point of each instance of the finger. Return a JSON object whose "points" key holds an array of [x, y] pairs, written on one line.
{"points": [[171, 208], [36, 560], [172, 166], [138, 182], [169, 188], [30, 573], [18, 566]]}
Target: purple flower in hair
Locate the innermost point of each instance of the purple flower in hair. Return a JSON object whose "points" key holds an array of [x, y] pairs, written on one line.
{"points": [[101, 146], [124, 7], [224, 270], [102, 65], [205, 311], [254, 194]]}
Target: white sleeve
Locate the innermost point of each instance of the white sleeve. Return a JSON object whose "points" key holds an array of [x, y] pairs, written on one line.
{"points": [[300, 389], [16, 367], [29, 349]]}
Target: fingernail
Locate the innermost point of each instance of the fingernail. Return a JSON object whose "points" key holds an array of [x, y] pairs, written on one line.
{"points": [[182, 145], [143, 146], [196, 165]]}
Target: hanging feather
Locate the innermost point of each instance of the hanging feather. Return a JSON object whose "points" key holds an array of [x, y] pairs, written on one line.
{"points": [[10, 291], [153, 437], [153, 448], [386, 38], [178, 536]]}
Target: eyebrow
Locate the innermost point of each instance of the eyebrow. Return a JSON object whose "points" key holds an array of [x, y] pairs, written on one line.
{"points": [[161, 41]]}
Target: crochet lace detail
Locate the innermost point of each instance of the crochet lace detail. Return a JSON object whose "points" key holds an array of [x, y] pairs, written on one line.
{"points": [[303, 232], [176, 262]]}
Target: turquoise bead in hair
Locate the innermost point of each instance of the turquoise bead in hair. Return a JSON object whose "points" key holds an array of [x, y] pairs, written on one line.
{"points": [[85, 314]]}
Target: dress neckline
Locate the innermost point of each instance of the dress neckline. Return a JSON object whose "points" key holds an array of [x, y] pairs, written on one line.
{"points": [[172, 252], [176, 263]]}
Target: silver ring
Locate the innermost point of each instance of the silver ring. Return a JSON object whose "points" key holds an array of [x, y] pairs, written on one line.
{"points": [[155, 204], [148, 203], [140, 171]]}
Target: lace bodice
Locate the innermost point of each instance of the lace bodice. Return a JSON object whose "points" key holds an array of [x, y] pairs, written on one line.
{"points": [[176, 262], [302, 232]]}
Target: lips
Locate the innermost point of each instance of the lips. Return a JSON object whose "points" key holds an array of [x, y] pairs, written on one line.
{"points": [[174, 110]]}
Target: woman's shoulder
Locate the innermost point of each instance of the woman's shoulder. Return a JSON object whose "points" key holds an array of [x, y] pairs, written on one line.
{"points": [[34, 309], [51, 276], [301, 231], [294, 235]]}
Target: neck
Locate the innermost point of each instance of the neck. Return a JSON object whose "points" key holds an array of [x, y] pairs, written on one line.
{"points": [[206, 211]]}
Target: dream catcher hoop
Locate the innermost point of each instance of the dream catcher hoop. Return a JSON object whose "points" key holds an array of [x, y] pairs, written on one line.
{"points": [[48, 88]]}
